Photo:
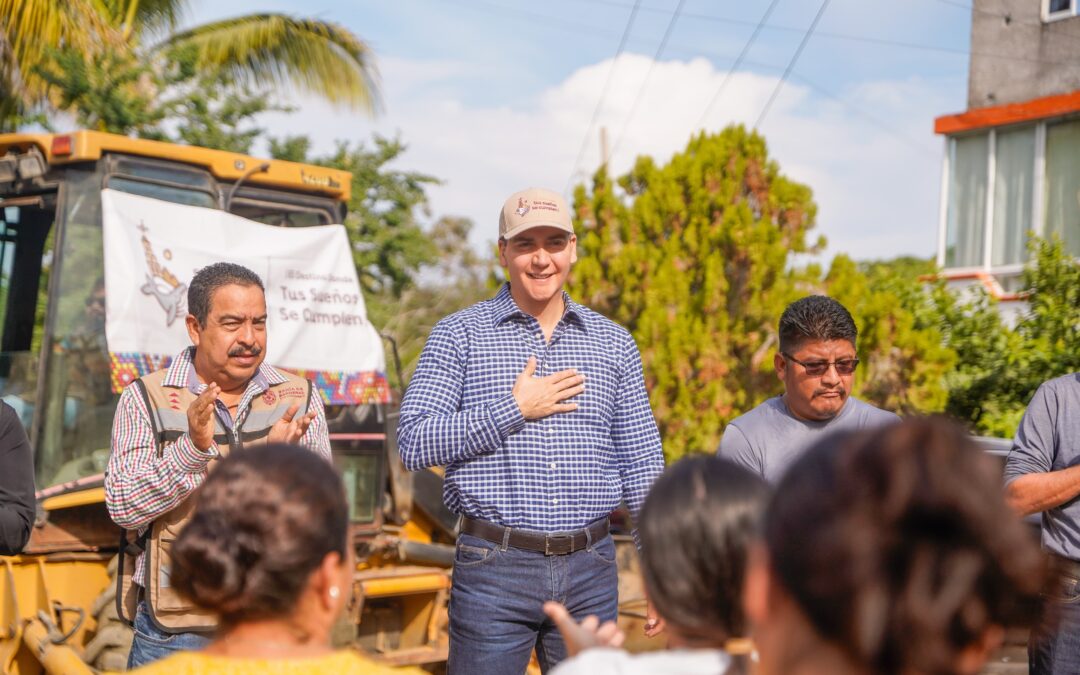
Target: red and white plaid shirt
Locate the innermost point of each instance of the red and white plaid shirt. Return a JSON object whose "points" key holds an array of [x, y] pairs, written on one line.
{"points": [[140, 486]]}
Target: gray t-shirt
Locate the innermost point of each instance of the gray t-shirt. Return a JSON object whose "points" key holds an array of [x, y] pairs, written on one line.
{"points": [[769, 438], [1048, 439]]}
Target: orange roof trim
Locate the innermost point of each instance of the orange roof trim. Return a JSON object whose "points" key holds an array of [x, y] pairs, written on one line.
{"points": [[1010, 113]]}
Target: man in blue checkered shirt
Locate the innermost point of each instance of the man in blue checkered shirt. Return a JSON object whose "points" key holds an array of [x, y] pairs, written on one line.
{"points": [[537, 408]]}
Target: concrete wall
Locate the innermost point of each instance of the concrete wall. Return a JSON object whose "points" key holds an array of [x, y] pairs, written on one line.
{"points": [[1019, 58]]}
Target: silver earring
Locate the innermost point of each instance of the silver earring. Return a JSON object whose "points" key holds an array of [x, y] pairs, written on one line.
{"points": [[334, 591]]}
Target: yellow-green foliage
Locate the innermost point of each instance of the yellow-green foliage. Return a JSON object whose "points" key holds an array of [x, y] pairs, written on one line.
{"points": [[904, 358], [694, 258]]}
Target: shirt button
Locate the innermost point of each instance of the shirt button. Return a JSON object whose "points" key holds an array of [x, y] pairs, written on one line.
{"points": [[554, 501], [553, 465]]}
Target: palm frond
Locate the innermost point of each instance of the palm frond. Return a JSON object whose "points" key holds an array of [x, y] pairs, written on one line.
{"points": [[29, 29], [143, 18], [277, 50], [31, 26]]}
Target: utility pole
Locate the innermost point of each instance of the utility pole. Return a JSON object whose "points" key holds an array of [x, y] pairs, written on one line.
{"points": [[605, 150]]}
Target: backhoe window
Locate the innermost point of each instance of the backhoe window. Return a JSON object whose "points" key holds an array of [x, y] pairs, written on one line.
{"points": [[166, 181], [78, 399], [25, 224]]}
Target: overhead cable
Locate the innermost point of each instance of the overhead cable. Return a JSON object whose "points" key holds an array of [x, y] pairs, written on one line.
{"points": [[735, 65], [603, 94], [791, 63], [641, 90]]}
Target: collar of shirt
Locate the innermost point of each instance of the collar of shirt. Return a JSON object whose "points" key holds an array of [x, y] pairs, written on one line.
{"points": [[182, 373], [503, 308]]}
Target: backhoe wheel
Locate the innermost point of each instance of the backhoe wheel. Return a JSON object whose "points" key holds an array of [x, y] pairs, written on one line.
{"points": [[108, 649]]}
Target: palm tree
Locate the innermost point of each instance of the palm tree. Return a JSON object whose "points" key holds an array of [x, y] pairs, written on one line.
{"points": [[259, 50]]}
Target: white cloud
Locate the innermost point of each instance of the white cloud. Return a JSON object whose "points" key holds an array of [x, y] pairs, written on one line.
{"points": [[871, 158]]}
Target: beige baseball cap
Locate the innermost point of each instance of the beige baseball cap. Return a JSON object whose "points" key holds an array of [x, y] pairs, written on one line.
{"points": [[531, 208]]}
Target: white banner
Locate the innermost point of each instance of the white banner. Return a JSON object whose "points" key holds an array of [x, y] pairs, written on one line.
{"points": [[317, 323]]}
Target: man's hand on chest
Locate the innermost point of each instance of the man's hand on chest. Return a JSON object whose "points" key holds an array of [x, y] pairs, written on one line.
{"points": [[539, 397]]}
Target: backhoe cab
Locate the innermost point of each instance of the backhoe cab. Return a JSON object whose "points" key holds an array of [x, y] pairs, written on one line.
{"points": [[56, 602]]}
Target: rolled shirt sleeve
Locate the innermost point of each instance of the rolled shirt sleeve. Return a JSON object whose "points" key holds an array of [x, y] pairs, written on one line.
{"points": [[1034, 447], [735, 448]]}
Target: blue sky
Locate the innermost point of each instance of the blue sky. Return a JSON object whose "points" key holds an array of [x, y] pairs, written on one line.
{"points": [[495, 95]]}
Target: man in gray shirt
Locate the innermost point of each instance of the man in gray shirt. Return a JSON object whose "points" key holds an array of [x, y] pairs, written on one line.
{"points": [[1042, 475], [816, 363]]}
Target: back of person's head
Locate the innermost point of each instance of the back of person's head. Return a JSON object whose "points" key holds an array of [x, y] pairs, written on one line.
{"points": [[696, 526], [815, 318], [898, 548], [264, 521]]}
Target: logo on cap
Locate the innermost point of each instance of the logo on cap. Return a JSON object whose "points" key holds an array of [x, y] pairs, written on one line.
{"points": [[522, 208]]}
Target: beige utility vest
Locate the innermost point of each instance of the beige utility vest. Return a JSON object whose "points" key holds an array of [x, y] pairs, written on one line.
{"points": [[168, 413]]}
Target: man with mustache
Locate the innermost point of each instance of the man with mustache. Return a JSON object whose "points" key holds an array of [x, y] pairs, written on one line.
{"points": [[816, 362], [216, 397]]}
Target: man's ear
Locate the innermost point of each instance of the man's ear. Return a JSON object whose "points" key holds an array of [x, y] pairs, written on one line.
{"points": [[502, 252], [573, 248], [193, 329], [780, 365]]}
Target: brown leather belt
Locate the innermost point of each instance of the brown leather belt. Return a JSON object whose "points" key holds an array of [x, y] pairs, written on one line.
{"points": [[1063, 565], [559, 543]]}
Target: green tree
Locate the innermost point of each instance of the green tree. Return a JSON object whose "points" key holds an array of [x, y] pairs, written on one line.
{"points": [[411, 275], [390, 245], [255, 52], [30, 30], [456, 279], [903, 355], [693, 257], [1000, 367]]}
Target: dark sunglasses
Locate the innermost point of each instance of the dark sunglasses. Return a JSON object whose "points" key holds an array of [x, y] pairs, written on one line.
{"points": [[819, 368]]}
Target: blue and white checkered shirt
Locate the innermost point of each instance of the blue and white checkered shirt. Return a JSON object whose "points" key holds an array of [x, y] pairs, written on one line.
{"points": [[553, 474]]}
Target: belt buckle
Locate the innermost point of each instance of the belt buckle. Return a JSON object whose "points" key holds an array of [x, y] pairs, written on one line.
{"points": [[568, 538]]}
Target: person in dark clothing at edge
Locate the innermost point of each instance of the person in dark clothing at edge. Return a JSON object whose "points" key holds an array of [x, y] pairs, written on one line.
{"points": [[16, 483]]}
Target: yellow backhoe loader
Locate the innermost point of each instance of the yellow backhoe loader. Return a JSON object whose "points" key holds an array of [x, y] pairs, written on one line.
{"points": [[57, 609]]}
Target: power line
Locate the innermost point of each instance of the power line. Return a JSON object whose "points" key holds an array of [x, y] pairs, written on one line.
{"points": [[648, 75], [884, 126], [735, 65], [535, 18], [791, 63], [603, 94], [885, 42]]}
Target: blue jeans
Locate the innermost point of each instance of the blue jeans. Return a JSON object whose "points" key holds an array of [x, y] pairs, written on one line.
{"points": [[497, 598], [152, 644], [1054, 645]]}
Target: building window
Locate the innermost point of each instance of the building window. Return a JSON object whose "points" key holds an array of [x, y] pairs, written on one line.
{"points": [[1062, 192], [1004, 185], [1059, 9], [967, 202], [1014, 166]]}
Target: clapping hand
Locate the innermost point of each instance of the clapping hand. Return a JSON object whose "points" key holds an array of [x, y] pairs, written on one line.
{"points": [[200, 417], [289, 430]]}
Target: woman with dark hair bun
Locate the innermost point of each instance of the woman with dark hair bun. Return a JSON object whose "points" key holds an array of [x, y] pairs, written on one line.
{"points": [[696, 527], [890, 552], [268, 551]]}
